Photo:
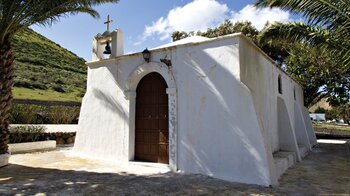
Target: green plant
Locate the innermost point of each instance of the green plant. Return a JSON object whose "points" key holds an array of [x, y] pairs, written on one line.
{"points": [[320, 110], [22, 83], [39, 85], [38, 114], [58, 88], [62, 115], [339, 112], [20, 134], [24, 114], [331, 114]]}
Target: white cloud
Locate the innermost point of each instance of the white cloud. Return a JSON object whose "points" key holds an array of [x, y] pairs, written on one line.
{"points": [[204, 14], [196, 15], [259, 17]]}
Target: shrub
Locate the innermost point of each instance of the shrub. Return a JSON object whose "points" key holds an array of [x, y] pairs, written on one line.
{"points": [[58, 88], [33, 78], [23, 84], [331, 114], [340, 112], [21, 134], [27, 134], [320, 110], [63, 115], [59, 81], [81, 94], [39, 85], [36, 114], [24, 114]]}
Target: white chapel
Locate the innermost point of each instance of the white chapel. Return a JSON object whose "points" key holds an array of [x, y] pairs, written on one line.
{"points": [[219, 107]]}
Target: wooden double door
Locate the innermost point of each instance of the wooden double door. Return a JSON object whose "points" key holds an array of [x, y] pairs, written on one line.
{"points": [[151, 120]]}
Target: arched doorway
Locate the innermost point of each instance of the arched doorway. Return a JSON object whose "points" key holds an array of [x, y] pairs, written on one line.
{"points": [[151, 120]]}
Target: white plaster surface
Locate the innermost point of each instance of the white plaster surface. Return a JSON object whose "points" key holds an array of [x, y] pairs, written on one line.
{"points": [[187, 40], [283, 160], [303, 150], [227, 116], [300, 128], [52, 128], [309, 128], [287, 138]]}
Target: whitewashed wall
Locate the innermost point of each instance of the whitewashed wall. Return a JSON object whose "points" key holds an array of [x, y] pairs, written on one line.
{"points": [[103, 121], [226, 106], [219, 133], [261, 77]]}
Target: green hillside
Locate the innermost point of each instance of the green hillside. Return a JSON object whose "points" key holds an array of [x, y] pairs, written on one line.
{"points": [[46, 71]]}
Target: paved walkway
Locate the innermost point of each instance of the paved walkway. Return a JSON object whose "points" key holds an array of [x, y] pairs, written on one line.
{"points": [[324, 171]]}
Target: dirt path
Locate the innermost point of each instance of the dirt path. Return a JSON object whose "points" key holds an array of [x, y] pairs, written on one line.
{"points": [[324, 171]]}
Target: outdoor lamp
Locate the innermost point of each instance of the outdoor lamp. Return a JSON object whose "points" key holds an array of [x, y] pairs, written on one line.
{"points": [[146, 55], [107, 48]]}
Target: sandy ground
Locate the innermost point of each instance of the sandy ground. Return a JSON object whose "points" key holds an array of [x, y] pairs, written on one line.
{"points": [[325, 171]]}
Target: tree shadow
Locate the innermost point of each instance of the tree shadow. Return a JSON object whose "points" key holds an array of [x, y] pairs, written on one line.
{"points": [[324, 171], [18, 179]]}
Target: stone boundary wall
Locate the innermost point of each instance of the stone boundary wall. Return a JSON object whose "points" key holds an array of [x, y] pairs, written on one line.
{"points": [[47, 103], [62, 133], [331, 133], [53, 128]]}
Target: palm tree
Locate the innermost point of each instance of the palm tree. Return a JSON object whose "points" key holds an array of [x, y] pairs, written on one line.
{"points": [[16, 15], [326, 27]]}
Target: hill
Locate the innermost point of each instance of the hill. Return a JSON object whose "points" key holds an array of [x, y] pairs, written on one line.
{"points": [[46, 71], [323, 103]]}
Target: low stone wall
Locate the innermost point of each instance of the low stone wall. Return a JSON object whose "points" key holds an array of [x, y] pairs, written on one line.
{"points": [[62, 133], [322, 133], [4, 159], [32, 146], [52, 128], [62, 138]]}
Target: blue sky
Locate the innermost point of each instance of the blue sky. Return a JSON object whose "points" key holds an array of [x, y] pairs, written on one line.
{"points": [[150, 23]]}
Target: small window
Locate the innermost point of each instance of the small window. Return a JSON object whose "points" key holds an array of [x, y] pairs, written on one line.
{"points": [[279, 84], [295, 97]]}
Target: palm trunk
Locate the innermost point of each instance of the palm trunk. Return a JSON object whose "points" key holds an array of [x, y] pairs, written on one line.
{"points": [[6, 83]]}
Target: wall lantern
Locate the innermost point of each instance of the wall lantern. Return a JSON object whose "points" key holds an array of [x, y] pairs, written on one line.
{"points": [[146, 55], [107, 48]]}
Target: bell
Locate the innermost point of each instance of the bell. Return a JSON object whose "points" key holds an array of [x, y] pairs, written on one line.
{"points": [[107, 49]]}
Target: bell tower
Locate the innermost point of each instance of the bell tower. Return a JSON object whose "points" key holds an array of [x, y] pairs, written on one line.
{"points": [[108, 45]]}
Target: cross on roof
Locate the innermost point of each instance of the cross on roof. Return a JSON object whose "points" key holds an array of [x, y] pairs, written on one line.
{"points": [[108, 22]]}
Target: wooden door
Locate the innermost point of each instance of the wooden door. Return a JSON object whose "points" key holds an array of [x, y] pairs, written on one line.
{"points": [[151, 123]]}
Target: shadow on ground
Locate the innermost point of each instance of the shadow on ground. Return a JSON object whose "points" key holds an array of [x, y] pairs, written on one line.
{"points": [[29, 181], [324, 171]]}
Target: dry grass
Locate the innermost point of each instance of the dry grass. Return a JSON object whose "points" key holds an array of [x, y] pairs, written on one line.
{"points": [[331, 126]]}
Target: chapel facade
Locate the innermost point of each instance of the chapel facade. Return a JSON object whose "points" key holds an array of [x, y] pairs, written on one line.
{"points": [[219, 107]]}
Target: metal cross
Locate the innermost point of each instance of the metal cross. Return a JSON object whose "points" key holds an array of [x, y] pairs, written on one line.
{"points": [[108, 22]]}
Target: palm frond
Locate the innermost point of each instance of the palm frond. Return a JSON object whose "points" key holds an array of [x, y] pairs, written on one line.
{"points": [[310, 35], [333, 14], [18, 14], [295, 32]]}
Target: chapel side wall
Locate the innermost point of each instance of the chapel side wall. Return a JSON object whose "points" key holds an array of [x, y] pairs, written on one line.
{"points": [[261, 77], [103, 116], [218, 132]]}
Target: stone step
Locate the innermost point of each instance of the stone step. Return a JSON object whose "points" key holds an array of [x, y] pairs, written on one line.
{"points": [[283, 160]]}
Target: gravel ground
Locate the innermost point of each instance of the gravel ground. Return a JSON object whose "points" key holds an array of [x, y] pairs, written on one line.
{"points": [[325, 171]]}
